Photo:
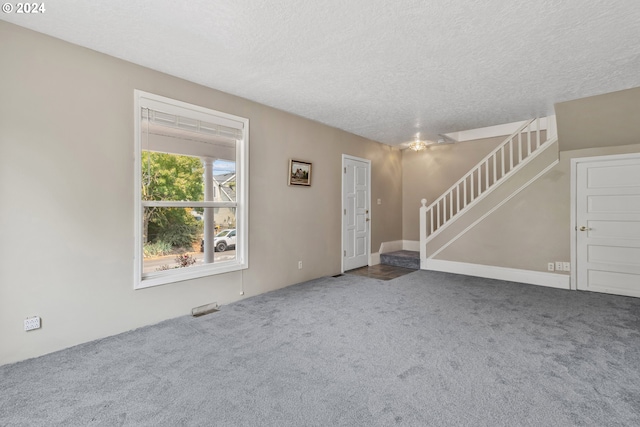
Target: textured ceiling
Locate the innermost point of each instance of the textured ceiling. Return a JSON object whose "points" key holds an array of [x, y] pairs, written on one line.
{"points": [[385, 70]]}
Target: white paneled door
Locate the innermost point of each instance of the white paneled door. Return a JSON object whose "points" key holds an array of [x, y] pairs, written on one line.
{"points": [[608, 226], [356, 215]]}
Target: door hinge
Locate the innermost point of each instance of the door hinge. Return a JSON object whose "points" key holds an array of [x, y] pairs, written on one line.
{"points": [[345, 211], [345, 169], [345, 253]]}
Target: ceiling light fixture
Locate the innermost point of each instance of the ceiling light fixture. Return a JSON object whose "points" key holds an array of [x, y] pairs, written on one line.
{"points": [[422, 144], [418, 145]]}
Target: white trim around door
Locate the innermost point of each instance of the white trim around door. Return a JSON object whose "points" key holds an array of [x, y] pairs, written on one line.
{"points": [[356, 212]]}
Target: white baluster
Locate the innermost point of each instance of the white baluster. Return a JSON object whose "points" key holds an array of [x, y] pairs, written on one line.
{"points": [[511, 154], [431, 220], [486, 175], [444, 209], [519, 148], [495, 169], [464, 193], [423, 231], [472, 187]]}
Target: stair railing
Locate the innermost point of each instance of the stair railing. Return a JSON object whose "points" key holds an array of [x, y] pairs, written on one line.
{"points": [[504, 160]]}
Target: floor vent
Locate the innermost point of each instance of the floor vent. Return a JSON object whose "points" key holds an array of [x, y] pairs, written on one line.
{"points": [[204, 309]]}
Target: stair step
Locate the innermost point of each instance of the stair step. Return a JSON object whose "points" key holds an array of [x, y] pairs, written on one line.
{"points": [[406, 259]]}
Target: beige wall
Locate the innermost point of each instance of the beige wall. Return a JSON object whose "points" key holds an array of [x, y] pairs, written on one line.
{"points": [[607, 120], [428, 174], [66, 185]]}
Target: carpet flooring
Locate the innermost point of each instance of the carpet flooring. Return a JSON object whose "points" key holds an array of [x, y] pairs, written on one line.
{"points": [[403, 258], [424, 349]]}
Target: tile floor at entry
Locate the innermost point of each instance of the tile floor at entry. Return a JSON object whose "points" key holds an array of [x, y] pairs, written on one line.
{"points": [[380, 271]]}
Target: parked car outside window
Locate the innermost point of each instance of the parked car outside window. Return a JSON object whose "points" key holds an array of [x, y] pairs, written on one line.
{"points": [[226, 239]]}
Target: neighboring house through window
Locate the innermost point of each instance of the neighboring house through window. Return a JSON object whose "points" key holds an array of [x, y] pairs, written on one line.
{"points": [[191, 183]]}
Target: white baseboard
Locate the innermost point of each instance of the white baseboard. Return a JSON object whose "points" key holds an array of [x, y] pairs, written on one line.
{"points": [[411, 245], [540, 278], [399, 245], [374, 258]]}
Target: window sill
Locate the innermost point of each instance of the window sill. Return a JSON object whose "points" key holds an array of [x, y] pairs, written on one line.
{"points": [[167, 277]]}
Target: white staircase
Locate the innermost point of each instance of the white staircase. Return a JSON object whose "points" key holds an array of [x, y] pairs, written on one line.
{"points": [[517, 150]]}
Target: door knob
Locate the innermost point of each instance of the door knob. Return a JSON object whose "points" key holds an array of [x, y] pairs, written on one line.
{"points": [[583, 228]]}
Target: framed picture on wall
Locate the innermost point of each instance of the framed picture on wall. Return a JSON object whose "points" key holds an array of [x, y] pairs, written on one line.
{"points": [[299, 173]]}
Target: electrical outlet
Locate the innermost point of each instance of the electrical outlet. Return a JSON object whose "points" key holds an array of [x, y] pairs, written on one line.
{"points": [[299, 265], [558, 265], [566, 266], [550, 267], [31, 323]]}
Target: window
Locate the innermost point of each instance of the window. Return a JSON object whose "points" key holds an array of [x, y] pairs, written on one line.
{"points": [[191, 191]]}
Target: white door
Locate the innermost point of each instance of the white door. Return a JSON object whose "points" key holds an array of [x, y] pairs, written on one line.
{"points": [[356, 218], [608, 226]]}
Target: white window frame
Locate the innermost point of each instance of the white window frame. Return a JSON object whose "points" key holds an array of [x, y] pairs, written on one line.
{"points": [[241, 262]]}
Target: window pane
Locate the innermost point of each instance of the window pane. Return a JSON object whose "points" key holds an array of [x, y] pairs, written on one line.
{"points": [[224, 180], [171, 177], [174, 237], [224, 237]]}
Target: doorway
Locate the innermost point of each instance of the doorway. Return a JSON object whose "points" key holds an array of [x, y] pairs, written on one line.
{"points": [[356, 215], [606, 220]]}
